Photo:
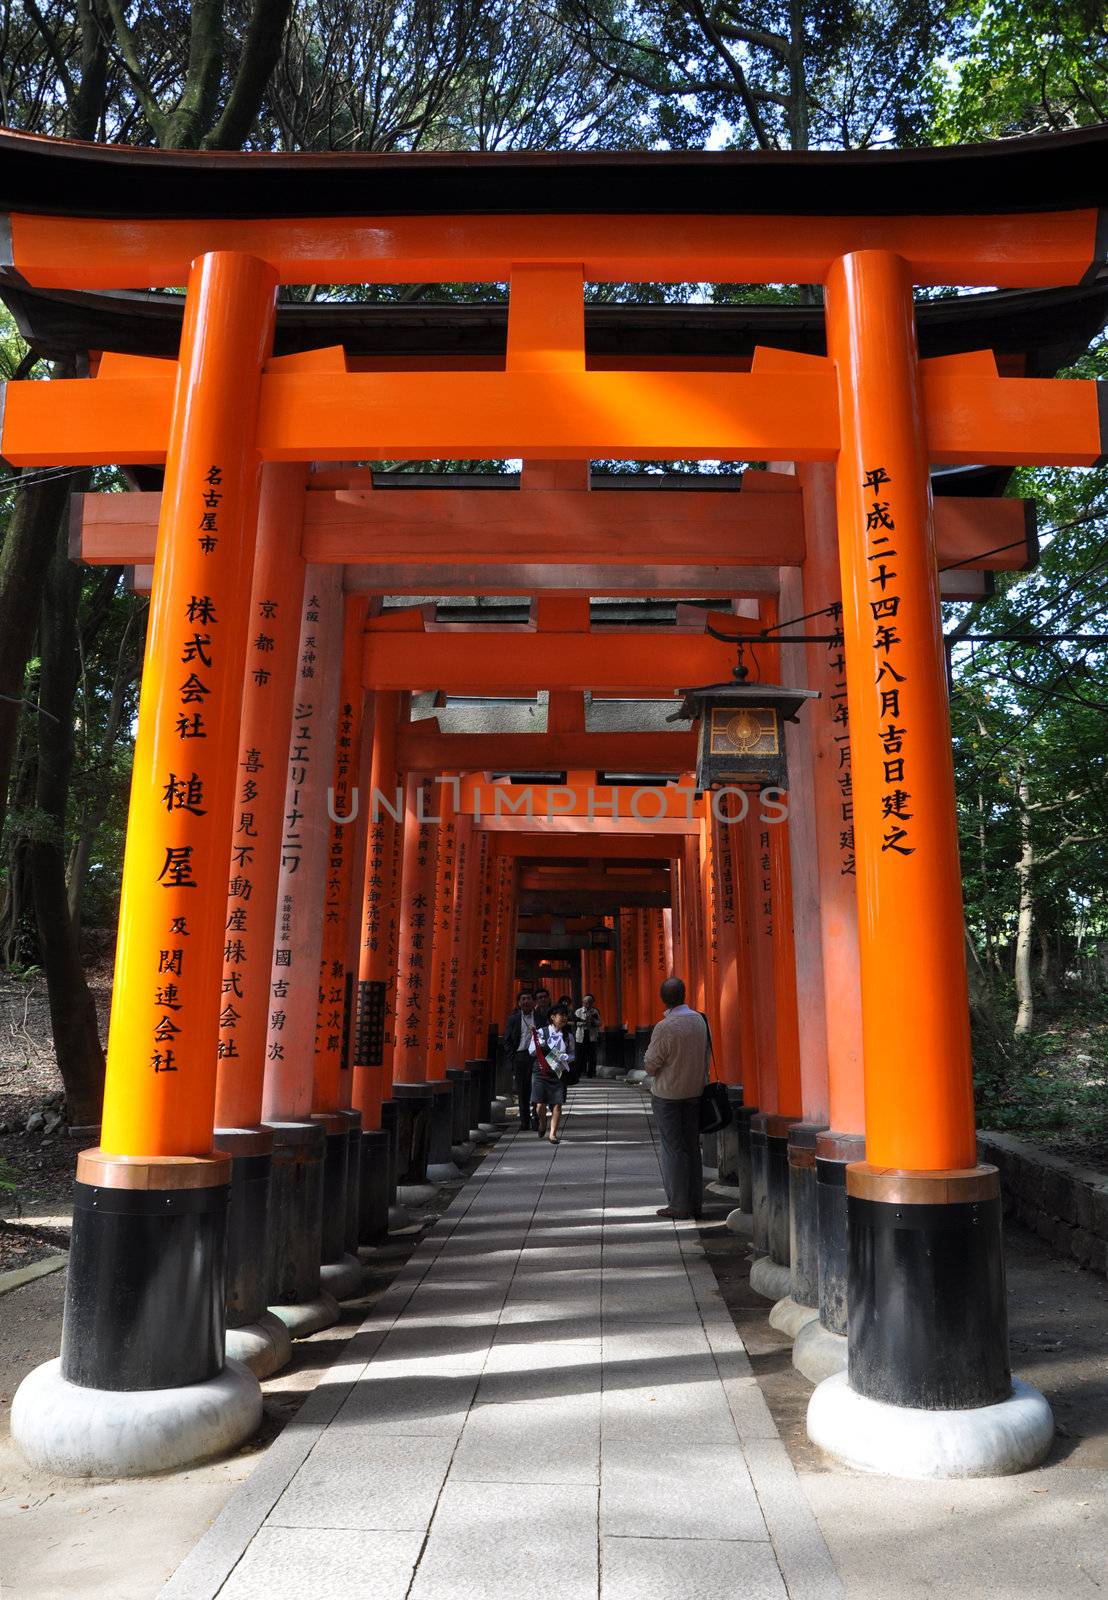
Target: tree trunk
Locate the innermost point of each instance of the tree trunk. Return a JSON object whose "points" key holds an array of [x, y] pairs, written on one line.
{"points": [[72, 1009], [1025, 1016], [23, 562]]}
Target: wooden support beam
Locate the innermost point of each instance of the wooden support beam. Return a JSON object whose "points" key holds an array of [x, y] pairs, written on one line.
{"points": [[1022, 250], [481, 530], [583, 844], [555, 415], [538, 880], [421, 748]]}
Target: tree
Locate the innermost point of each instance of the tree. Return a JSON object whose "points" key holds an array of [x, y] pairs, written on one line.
{"points": [[771, 74], [1027, 66]]}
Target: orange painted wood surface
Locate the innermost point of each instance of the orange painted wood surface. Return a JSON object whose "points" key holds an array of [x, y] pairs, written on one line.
{"points": [[1013, 251]]}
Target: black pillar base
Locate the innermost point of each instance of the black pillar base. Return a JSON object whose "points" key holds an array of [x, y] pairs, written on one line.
{"points": [[251, 1152], [777, 1187], [611, 1049], [373, 1186], [295, 1212], [483, 1085], [389, 1127], [744, 1115], [459, 1105], [803, 1216], [353, 1179], [439, 1153], [415, 1104], [834, 1151], [145, 1299], [928, 1324], [759, 1183], [333, 1237], [642, 1039]]}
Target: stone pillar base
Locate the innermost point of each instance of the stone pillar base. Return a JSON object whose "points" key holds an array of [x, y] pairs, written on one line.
{"points": [[818, 1353], [903, 1442], [65, 1429], [308, 1316], [769, 1279], [739, 1221], [344, 1278], [265, 1345], [789, 1316]]}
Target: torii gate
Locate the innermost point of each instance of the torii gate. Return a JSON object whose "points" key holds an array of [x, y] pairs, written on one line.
{"points": [[926, 1291]]}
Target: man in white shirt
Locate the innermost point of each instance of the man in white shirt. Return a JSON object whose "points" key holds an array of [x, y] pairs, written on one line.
{"points": [[677, 1063]]}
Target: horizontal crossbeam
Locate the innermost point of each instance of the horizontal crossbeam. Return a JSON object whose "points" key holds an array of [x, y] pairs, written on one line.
{"points": [[576, 415], [483, 528], [421, 748], [1015, 251]]}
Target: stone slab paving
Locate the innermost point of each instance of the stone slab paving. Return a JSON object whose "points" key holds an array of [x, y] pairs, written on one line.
{"points": [[551, 1399]]}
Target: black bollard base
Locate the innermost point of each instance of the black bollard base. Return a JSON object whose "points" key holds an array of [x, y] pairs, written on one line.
{"points": [[834, 1153], [759, 1183], [415, 1105], [928, 1392], [482, 1077], [388, 1127], [928, 1320], [744, 1116], [353, 1178], [335, 1155], [777, 1186], [296, 1228], [441, 1167], [251, 1152], [145, 1300], [803, 1214], [373, 1187]]}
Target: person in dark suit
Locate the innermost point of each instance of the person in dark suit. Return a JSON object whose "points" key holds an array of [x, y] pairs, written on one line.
{"points": [[517, 1051], [542, 1007]]}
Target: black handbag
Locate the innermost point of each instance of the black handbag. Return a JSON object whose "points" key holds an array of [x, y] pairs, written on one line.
{"points": [[715, 1105]]}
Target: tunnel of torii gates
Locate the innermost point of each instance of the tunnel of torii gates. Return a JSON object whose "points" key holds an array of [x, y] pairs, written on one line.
{"points": [[308, 988]]}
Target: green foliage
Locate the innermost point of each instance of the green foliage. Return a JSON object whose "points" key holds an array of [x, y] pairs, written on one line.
{"points": [[1027, 66]]}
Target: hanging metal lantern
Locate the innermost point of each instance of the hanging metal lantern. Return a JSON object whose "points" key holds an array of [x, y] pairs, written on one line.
{"points": [[742, 731]]}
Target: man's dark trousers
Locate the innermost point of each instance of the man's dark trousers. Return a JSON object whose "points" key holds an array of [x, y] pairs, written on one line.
{"points": [[586, 1058], [524, 1068], [678, 1123]]}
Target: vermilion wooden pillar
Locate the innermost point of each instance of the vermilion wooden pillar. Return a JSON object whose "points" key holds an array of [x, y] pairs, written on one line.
{"points": [[414, 1095], [267, 703], [728, 1052], [335, 982], [375, 1030], [159, 1095], [826, 728], [926, 1318], [313, 1219]]}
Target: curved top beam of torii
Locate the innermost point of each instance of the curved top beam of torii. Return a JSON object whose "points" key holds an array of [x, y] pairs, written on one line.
{"points": [[1019, 213]]}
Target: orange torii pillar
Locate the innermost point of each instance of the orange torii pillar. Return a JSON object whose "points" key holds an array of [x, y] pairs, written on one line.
{"points": [[156, 1175], [927, 1311], [820, 1347], [441, 1164], [415, 1099], [692, 923], [629, 985], [752, 840], [467, 1078], [299, 1242], [667, 939], [255, 1335], [374, 1029], [804, 928], [732, 1144], [733, 842], [332, 1089], [649, 1006], [502, 984]]}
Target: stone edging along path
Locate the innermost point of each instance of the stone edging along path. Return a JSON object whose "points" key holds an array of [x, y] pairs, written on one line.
{"points": [[1066, 1205]]}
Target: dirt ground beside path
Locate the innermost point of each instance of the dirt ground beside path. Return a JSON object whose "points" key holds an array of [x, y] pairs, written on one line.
{"points": [[64, 1539], [1042, 1535]]}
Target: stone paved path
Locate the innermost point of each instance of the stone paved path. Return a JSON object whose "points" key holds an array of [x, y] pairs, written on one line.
{"points": [[551, 1399]]}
